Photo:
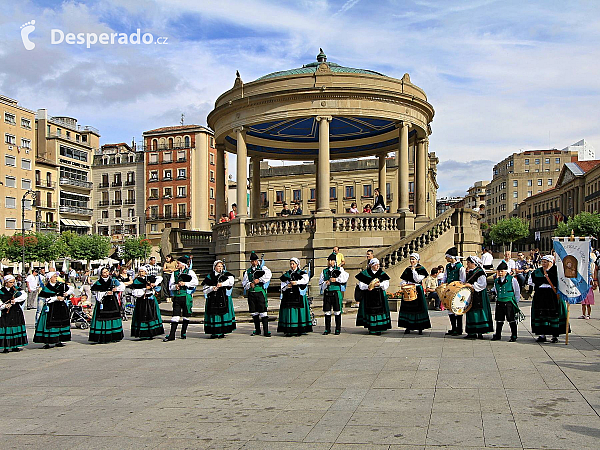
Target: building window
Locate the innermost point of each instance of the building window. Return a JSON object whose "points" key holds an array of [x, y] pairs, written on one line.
{"points": [[212, 176], [153, 194], [527, 162], [26, 143], [529, 182], [153, 227], [313, 194], [537, 160], [10, 182], [25, 164], [549, 181], [557, 160], [279, 198], [104, 214], [546, 170], [25, 184], [153, 175], [526, 170], [529, 193], [297, 195], [168, 192], [10, 202], [11, 224], [10, 118], [212, 209], [388, 191], [181, 174], [153, 158], [74, 153], [211, 158], [181, 156], [411, 186], [181, 191], [263, 199], [515, 194], [75, 174], [187, 142], [515, 183], [212, 193], [167, 174], [332, 193], [212, 142], [10, 139], [349, 192], [117, 213], [547, 161], [131, 212], [181, 209], [539, 182], [367, 190]]}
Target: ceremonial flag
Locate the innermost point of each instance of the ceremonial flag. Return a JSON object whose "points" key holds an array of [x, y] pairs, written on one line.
{"points": [[573, 266]]}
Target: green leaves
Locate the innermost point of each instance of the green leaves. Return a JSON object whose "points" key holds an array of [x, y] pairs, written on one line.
{"points": [[507, 231], [583, 224], [89, 246], [136, 248]]}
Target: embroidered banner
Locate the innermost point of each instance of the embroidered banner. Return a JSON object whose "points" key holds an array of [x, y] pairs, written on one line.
{"points": [[573, 266]]}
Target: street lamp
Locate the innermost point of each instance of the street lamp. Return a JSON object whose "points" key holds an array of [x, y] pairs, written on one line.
{"points": [[33, 197]]}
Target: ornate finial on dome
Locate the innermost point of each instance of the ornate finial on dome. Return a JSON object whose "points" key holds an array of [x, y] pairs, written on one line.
{"points": [[321, 57], [406, 78]]}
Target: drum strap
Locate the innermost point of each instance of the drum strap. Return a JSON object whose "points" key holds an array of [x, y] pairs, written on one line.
{"points": [[550, 282]]}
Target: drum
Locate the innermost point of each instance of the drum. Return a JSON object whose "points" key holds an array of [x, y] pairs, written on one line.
{"points": [[458, 298], [440, 290], [409, 292], [372, 283]]}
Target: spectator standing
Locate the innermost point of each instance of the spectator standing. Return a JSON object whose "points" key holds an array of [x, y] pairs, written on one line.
{"points": [[32, 289], [487, 259], [153, 268], [73, 276], [510, 262], [340, 261], [233, 213], [169, 266]]}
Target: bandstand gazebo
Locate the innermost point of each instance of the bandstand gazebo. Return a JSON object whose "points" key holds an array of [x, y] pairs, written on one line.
{"points": [[319, 112]]}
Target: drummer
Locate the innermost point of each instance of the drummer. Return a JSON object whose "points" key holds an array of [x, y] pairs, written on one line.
{"points": [[479, 316], [414, 315], [454, 272]]}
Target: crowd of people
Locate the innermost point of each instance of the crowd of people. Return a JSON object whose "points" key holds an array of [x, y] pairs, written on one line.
{"points": [[49, 291]]}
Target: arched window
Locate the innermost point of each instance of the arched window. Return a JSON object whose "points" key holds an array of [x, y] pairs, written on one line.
{"points": [[162, 143], [187, 142], [170, 142], [154, 144]]}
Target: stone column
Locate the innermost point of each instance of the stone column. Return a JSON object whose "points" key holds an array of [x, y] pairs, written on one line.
{"points": [[255, 191], [420, 179], [383, 176], [242, 173], [403, 167], [323, 171], [220, 199]]}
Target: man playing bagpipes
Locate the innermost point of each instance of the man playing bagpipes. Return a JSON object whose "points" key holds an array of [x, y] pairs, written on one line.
{"points": [[414, 314], [294, 312], [54, 326], [255, 282], [508, 294], [146, 321], [331, 281], [219, 316], [13, 334], [455, 271], [182, 285], [374, 310], [106, 325]]}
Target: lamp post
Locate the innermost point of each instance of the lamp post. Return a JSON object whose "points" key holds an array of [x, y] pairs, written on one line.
{"points": [[33, 196]]}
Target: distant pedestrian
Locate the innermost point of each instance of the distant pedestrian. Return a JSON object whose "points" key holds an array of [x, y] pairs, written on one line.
{"points": [[32, 289]]}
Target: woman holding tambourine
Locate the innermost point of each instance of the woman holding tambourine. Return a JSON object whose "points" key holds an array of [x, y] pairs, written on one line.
{"points": [[219, 317], [413, 314], [373, 311]]}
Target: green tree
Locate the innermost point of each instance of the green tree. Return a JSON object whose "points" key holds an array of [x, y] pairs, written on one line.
{"points": [[136, 248], [3, 246], [583, 224], [69, 239], [40, 247], [507, 231], [90, 247]]}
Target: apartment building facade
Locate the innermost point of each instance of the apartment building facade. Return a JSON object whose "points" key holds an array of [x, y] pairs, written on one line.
{"points": [[522, 175], [69, 148], [180, 175], [118, 177], [17, 171]]}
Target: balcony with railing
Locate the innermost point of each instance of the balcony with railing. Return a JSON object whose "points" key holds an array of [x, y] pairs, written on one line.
{"points": [[117, 183], [45, 184], [117, 202], [103, 185], [76, 210], [129, 182], [44, 205], [103, 203], [173, 216], [129, 201], [78, 183]]}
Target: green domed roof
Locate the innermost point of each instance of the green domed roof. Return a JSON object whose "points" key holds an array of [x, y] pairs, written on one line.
{"points": [[312, 67]]}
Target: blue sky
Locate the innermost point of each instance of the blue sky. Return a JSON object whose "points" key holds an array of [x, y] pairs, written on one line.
{"points": [[501, 75]]}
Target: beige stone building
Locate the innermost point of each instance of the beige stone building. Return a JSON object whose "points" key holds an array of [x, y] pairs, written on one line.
{"points": [[352, 181], [522, 175], [577, 189], [118, 177], [69, 148], [18, 165]]}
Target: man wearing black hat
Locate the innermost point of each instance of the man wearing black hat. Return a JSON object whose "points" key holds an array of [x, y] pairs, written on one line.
{"points": [[454, 272], [507, 289], [331, 281], [182, 285], [256, 281]]}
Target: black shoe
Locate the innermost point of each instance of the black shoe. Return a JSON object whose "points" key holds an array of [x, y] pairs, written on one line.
{"points": [[496, 338], [287, 334], [213, 336], [265, 324], [480, 336], [450, 333], [378, 333], [5, 350], [46, 347], [554, 340], [168, 338], [326, 332], [183, 336], [60, 344], [255, 333], [420, 332], [267, 334], [470, 336], [407, 331], [221, 336], [513, 339], [17, 349], [337, 331], [541, 339]]}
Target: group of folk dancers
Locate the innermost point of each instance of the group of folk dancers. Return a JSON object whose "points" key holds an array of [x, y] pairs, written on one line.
{"points": [[548, 311]]}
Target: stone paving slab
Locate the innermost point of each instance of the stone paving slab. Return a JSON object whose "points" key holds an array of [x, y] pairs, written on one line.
{"points": [[352, 391]]}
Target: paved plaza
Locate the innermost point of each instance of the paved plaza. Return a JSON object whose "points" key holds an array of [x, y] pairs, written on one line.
{"points": [[357, 391]]}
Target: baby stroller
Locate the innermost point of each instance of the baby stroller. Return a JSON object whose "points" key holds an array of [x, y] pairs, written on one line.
{"points": [[127, 303], [77, 315]]}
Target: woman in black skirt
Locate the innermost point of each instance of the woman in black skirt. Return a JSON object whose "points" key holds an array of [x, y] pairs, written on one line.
{"points": [[13, 335], [54, 325]]}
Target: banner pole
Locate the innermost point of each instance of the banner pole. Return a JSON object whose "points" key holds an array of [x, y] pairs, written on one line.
{"points": [[567, 333]]}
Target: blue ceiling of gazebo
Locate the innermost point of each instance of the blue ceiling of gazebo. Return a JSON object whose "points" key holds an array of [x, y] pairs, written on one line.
{"points": [[306, 129]]}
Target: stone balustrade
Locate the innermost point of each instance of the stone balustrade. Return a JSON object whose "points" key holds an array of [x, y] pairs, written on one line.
{"points": [[366, 222], [222, 231], [276, 226]]}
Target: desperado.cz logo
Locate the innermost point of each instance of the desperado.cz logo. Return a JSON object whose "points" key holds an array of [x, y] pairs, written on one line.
{"points": [[58, 36]]}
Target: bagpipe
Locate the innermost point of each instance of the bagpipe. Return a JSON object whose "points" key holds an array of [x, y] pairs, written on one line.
{"points": [[217, 301], [292, 296], [185, 278], [257, 273], [8, 303]]}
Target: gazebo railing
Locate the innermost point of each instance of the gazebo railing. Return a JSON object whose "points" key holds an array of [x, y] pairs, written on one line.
{"points": [[366, 222], [275, 226], [222, 230]]}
